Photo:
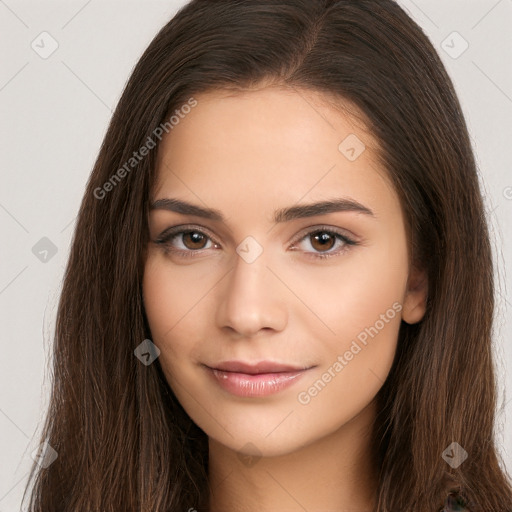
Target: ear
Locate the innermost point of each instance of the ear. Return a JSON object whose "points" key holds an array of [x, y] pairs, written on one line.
{"points": [[415, 300]]}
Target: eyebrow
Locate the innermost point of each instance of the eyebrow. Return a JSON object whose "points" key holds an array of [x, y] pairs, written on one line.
{"points": [[280, 215]]}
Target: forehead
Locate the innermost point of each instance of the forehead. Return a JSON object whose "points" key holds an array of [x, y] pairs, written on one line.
{"points": [[267, 143]]}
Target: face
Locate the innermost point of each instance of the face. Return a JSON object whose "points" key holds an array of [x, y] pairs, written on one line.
{"points": [[277, 273]]}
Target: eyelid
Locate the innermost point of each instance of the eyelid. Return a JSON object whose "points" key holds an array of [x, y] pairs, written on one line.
{"points": [[175, 230], [168, 234], [299, 236], [322, 227]]}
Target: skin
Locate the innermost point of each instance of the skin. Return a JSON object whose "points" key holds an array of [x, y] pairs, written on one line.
{"points": [[247, 155]]}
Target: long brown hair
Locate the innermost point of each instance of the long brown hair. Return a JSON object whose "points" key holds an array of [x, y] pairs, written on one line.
{"points": [[122, 439]]}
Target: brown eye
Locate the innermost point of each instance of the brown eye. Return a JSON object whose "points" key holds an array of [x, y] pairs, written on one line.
{"points": [[194, 240], [322, 240], [186, 242]]}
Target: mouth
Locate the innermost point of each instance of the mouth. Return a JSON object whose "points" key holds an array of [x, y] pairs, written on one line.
{"points": [[255, 380]]}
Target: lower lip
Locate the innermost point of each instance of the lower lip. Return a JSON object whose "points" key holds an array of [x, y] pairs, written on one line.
{"points": [[262, 384]]}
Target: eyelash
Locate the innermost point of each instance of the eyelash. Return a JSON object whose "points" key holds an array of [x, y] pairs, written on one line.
{"points": [[167, 236]]}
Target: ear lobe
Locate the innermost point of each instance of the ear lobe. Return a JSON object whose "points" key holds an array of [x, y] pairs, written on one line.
{"points": [[415, 301]]}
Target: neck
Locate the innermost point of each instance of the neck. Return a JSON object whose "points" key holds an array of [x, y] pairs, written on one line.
{"points": [[336, 472]]}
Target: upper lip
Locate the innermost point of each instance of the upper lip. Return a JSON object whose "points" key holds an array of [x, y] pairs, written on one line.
{"points": [[255, 368]]}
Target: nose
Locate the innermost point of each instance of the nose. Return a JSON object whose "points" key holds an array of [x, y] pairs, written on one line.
{"points": [[251, 299]]}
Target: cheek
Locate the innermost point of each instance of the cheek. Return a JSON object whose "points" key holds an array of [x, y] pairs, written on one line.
{"points": [[166, 302], [160, 303], [172, 294], [360, 302], [351, 293], [174, 301], [356, 360], [371, 288]]}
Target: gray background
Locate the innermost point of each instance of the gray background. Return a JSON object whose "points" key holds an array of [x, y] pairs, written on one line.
{"points": [[54, 113]]}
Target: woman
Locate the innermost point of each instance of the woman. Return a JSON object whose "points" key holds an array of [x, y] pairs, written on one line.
{"points": [[280, 289]]}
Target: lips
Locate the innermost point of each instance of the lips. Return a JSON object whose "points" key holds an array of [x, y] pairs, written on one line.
{"points": [[255, 380], [255, 368]]}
